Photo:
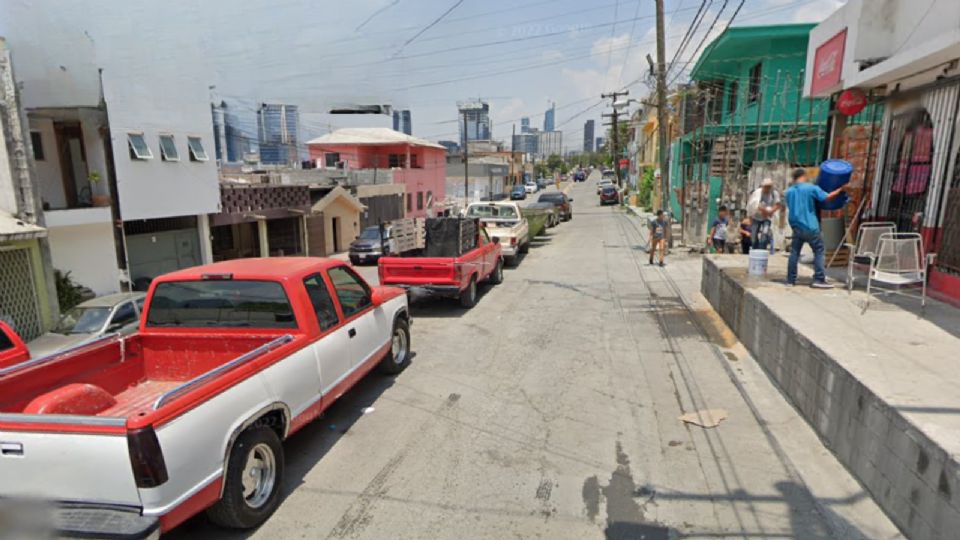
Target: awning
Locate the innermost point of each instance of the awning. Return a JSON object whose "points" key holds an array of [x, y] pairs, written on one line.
{"points": [[13, 228]]}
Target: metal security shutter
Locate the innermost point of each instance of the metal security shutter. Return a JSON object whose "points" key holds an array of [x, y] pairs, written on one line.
{"points": [[18, 293]]}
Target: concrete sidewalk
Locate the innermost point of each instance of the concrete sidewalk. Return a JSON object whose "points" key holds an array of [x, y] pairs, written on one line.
{"points": [[879, 388]]}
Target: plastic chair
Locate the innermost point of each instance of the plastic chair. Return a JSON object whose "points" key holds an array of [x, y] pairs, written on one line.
{"points": [[900, 261], [866, 248]]}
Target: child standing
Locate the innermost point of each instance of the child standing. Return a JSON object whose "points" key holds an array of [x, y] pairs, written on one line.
{"points": [[718, 231]]}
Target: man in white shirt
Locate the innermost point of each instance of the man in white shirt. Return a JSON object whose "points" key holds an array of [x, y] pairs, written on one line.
{"points": [[762, 205]]}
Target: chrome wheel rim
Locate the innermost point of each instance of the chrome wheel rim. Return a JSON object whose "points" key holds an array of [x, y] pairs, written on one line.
{"points": [[259, 475], [399, 346]]}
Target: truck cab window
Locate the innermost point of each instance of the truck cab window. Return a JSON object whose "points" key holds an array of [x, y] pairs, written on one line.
{"points": [[322, 302], [124, 315], [353, 294]]}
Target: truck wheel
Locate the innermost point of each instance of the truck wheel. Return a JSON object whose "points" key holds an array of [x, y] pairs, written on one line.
{"points": [[468, 296], [525, 247], [251, 490], [496, 277], [398, 358], [512, 261]]}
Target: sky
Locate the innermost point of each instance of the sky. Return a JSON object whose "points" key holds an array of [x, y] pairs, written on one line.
{"points": [[426, 55]]}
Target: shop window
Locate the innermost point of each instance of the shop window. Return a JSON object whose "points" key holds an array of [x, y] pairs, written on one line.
{"points": [[908, 178]]}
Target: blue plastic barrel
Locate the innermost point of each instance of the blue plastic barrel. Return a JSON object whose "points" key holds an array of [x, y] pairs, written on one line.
{"points": [[833, 174]]}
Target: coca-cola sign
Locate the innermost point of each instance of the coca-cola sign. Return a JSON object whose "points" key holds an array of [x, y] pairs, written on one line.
{"points": [[851, 101], [828, 63]]}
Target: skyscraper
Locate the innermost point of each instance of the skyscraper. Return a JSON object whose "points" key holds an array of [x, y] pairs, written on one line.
{"points": [[476, 115], [588, 136], [600, 143], [279, 134], [401, 121], [549, 118], [550, 143], [525, 124]]}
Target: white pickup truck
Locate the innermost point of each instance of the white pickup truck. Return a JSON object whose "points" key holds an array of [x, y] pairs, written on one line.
{"points": [[128, 436], [504, 221]]}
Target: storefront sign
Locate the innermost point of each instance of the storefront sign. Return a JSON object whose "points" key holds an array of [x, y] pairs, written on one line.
{"points": [[828, 63], [851, 101]]}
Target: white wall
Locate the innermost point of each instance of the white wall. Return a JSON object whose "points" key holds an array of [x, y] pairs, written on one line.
{"points": [[8, 196], [48, 170], [155, 79], [87, 251]]}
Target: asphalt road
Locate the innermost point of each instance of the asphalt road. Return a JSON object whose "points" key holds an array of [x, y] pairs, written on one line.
{"points": [[550, 410]]}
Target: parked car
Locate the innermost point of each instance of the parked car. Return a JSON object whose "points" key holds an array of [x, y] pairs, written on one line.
{"points": [[12, 349], [452, 277], [609, 195], [119, 312], [368, 247], [580, 176], [602, 183], [139, 433], [542, 183], [561, 201], [518, 193], [505, 224], [531, 187]]}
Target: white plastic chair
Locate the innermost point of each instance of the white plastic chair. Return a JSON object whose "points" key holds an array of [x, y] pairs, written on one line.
{"points": [[900, 261], [865, 250]]}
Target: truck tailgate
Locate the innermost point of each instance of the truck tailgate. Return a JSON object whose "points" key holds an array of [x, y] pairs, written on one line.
{"points": [[67, 467], [416, 271]]}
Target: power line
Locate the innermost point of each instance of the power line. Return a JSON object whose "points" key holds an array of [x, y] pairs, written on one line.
{"points": [[707, 34], [691, 29], [429, 26]]}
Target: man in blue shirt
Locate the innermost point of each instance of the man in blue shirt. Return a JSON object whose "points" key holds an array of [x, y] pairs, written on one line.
{"points": [[802, 198]]}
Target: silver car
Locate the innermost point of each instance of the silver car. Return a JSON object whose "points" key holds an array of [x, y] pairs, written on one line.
{"points": [[107, 314]]}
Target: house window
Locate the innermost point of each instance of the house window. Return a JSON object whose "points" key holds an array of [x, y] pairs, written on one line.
{"points": [[168, 149], [36, 141], [419, 200], [138, 146], [197, 153], [398, 161], [413, 162], [429, 200], [409, 202], [330, 159], [755, 74], [732, 97]]}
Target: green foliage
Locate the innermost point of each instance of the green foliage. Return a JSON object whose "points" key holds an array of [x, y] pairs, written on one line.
{"points": [[645, 191], [69, 292]]}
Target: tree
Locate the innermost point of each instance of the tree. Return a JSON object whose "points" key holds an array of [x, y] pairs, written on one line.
{"points": [[645, 191]]}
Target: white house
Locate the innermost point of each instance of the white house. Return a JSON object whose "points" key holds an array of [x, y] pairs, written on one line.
{"points": [[123, 140]]}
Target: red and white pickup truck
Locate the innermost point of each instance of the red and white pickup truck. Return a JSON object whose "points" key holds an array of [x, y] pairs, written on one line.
{"points": [[454, 277], [12, 349], [130, 436]]}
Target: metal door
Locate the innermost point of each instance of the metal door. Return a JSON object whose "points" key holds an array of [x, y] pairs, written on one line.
{"points": [[19, 304]]}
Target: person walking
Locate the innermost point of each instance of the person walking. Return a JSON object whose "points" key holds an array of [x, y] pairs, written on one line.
{"points": [[746, 232], [658, 232], [718, 231], [801, 199], [763, 203]]}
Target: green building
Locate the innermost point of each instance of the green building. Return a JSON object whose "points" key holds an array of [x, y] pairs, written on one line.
{"points": [[742, 117]]}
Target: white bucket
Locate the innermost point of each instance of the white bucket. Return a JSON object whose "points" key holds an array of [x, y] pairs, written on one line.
{"points": [[758, 262]]}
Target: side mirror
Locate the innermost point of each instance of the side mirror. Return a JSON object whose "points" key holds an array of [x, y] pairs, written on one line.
{"points": [[378, 297]]}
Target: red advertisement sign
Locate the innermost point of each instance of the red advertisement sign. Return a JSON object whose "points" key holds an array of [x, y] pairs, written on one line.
{"points": [[828, 63], [851, 101]]}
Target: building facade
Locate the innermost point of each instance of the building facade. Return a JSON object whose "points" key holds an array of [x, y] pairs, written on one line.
{"points": [[549, 118], [525, 124], [904, 64], [402, 121], [526, 143], [417, 164], [588, 128], [549, 143]]}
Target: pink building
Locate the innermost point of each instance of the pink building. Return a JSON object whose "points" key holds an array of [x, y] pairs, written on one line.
{"points": [[389, 155]]}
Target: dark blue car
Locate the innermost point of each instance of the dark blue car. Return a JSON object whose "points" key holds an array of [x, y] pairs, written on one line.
{"points": [[518, 193]]}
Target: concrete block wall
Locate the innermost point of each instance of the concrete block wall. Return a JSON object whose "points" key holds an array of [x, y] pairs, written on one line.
{"points": [[911, 477]]}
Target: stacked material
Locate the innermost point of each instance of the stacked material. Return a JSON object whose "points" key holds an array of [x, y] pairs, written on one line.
{"points": [[450, 237], [408, 234]]}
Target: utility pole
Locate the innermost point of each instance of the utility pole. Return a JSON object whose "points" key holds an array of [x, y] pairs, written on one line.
{"points": [[614, 116], [466, 168], [662, 109], [513, 156]]}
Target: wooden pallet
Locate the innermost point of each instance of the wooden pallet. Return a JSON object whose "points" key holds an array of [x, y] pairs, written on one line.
{"points": [[841, 260]]}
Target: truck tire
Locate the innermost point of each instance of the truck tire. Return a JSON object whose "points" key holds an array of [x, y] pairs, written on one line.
{"points": [[512, 261], [496, 277], [251, 491], [398, 358], [468, 296], [524, 247]]}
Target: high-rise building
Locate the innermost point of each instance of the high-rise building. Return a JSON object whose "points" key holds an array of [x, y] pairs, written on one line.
{"points": [[475, 117], [453, 147], [588, 136], [235, 135], [526, 143], [549, 118], [525, 124], [279, 134], [600, 143], [401, 121], [549, 143]]}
